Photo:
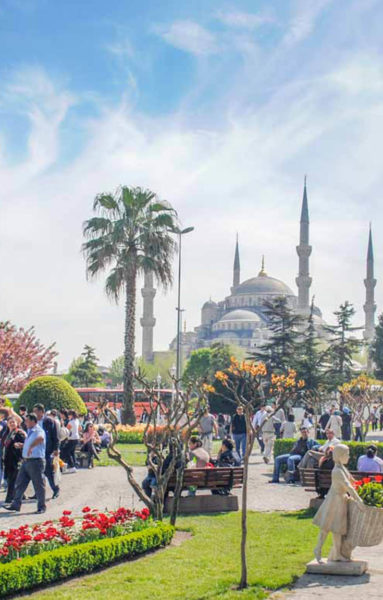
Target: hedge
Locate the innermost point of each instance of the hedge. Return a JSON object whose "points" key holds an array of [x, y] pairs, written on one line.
{"points": [[130, 437], [49, 567], [284, 446], [53, 392]]}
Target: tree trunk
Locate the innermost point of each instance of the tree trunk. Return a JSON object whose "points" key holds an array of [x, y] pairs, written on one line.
{"points": [[128, 415], [249, 446], [178, 489]]}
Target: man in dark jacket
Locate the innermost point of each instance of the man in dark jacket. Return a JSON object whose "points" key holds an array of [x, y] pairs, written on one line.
{"points": [[52, 444]]}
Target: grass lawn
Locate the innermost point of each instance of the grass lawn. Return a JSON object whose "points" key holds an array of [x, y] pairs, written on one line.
{"points": [[207, 565], [135, 454]]}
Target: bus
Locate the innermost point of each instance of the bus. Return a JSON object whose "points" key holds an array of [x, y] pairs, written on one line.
{"points": [[115, 396]]}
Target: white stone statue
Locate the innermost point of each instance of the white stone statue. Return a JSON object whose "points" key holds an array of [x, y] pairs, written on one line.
{"points": [[332, 516]]}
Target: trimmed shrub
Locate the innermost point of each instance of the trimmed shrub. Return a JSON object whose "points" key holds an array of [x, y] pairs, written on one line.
{"points": [[42, 569], [53, 392], [357, 449], [130, 437]]}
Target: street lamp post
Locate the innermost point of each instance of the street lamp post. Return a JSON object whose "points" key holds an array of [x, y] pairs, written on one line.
{"points": [[179, 310]]}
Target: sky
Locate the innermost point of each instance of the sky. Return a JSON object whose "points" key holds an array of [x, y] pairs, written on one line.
{"points": [[219, 107]]}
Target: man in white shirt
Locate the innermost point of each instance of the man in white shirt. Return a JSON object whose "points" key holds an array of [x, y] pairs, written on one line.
{"points": [[312, 457], [258, 420]]}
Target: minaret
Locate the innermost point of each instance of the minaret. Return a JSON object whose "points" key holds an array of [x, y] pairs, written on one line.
{"points": [[148, 321], [370, 283], [237, 266], [303, 280]]}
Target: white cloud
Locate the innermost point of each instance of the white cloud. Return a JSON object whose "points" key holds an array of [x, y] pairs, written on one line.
{"points": [[244, 20], [304, 17], [190, 37]]}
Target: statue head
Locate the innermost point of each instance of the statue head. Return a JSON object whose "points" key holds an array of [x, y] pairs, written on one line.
{"points": [[341, 454]]}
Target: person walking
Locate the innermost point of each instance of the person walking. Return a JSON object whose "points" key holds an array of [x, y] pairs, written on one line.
{"points": [[268, 433], [289, 428], [32, 468], [12, 455], [74, 438], [281, 418], [257, 422], [346, 424], [238, 431], [335, 423], [358, 422], [207, 427], [52, 442]]}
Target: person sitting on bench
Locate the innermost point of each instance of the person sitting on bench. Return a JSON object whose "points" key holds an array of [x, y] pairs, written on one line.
{"points": [[227, 456], [312, 457], [326, 463], [303, 444]]}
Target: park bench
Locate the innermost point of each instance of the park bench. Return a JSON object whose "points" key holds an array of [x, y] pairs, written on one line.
{"points": [[207, 479], [314, 479]]}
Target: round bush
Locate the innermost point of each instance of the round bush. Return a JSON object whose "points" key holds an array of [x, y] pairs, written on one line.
{"points": [[53, 392]]}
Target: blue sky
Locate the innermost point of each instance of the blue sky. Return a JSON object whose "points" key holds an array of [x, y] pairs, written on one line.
{"points": [[221, 108]]}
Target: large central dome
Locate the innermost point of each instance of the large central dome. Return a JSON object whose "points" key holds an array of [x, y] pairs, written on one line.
{"points": [[263, 284]]}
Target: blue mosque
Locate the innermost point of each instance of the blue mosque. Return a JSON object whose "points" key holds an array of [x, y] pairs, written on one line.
{"points": [[240, 319]]}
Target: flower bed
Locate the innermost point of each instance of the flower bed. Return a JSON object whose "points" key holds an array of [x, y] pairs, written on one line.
{"points": [[29, 540], [370, 489], [70, 560]]}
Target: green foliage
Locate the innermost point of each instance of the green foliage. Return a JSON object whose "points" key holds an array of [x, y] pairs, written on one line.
{"points": [[116, 370], [205, 362], [371, 494], [376, 349], [7, 402], [357, 449], [280, 545], [342, 346], [53, 392], [310, 358], [84, 371], [161, 365], [130, 437], [279, 352], [66, 562]]}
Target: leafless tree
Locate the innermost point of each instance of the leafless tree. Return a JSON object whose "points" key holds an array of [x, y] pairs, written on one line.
{"points": [[166, 434]]}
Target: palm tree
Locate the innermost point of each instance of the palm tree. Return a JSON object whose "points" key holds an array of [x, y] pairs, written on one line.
{"points": [[130, 235]]}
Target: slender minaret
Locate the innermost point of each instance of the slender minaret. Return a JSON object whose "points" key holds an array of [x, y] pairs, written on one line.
{"points": [[303, 280], [148, 321], [370, 283], [237, 266]]}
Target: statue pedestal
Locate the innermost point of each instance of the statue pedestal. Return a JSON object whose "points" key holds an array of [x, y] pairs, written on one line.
{"points": [[352, 567]]}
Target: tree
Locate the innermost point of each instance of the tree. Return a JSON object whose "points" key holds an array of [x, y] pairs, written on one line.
{"points": [[279, 352], [360, 394], [162, 365], [205, 362], [22, 357], [84, 371], [53, 392], [248, 384], [130, 235], [376, 349], [342, 345], [165, 441], [116, 370]]}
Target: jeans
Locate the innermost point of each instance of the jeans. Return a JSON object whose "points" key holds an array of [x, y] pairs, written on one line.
{"points": [[70, 449], [277, 428], [260, 442], [358, 434], [32, 469], [148, 484], [240, 443], [290, 461], [49, 474]]}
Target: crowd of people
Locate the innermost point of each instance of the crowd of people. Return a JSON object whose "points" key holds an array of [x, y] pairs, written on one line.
{"points": [[38, 446]]}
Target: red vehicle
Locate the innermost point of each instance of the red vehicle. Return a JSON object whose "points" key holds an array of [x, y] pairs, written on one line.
{"points": [[92, 397]]}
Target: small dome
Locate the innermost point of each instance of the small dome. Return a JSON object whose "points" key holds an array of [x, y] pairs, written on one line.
{"points": [[240, 315], [209, 304], [263, 284]]}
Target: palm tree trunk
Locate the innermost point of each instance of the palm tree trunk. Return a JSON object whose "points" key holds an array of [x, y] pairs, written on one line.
{"points": [[128, 415]]}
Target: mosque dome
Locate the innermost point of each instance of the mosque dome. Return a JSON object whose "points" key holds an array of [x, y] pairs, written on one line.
{"points": [[240, 315], [209, 304], [263, 284]]}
